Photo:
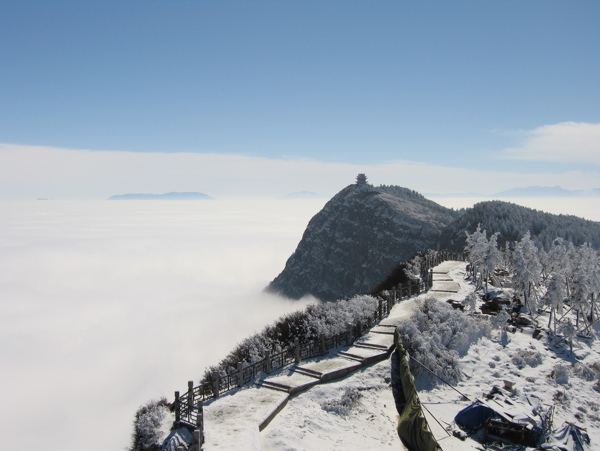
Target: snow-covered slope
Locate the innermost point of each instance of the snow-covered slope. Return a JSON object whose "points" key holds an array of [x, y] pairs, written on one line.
{"points": [[354, 242], [357, 412]]}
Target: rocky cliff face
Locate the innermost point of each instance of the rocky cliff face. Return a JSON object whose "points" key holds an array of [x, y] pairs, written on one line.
{"points": [[354, 242]]}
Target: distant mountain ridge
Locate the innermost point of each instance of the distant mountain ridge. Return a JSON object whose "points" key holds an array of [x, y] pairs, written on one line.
{"points": [[529, 191], [364, 232], [166, 196], [542, 191]]}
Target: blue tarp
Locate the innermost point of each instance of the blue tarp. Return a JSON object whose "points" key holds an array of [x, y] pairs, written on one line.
{"points": [[473, 417]]}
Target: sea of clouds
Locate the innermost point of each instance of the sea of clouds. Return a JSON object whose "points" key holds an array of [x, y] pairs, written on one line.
{"points": [[108, 304]]}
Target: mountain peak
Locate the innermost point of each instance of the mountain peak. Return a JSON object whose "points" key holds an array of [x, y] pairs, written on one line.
{"points": [[358, 237]]}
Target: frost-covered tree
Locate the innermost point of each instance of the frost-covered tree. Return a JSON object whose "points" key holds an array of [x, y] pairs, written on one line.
{"points": [[556, 260], [585, 283], [568, 330], [476, 249], [554, 298], [493, 258], [526, 269], [483, 254]]}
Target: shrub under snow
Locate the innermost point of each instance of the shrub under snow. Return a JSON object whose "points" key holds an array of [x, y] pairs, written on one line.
{"points": [[345, 404], [526, 357], [328, 319], [436, 335], [151, 425]]}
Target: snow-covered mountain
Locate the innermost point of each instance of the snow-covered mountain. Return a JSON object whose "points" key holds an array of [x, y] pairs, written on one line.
{"points": [[364, 232], [358, 237]]}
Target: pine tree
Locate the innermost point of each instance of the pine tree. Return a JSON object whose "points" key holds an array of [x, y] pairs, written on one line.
{"points": [[492, 258], [555, 297], [526, 270]]}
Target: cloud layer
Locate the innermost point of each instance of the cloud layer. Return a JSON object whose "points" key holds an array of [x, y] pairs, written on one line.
{"points": [[33, 172], [106, 305], [567, 142]]}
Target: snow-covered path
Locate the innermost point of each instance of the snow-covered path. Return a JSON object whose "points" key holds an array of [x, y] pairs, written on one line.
{"points": [[357, 412], [365, 417], [339, 401]]}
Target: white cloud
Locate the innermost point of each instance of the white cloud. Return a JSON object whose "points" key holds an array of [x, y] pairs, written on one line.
{"points": [[106, 305], [30, 172], [576, 142]]}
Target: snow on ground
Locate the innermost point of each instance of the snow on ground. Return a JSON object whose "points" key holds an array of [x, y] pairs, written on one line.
{"points": [[358, 412], [535, 367], [354, 413]]}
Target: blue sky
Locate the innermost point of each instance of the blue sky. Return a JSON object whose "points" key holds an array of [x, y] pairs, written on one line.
{"points": [[467, 84]]}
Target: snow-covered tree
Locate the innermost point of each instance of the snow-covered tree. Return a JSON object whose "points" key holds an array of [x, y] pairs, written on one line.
{"points": [[555, 295], [476, 248], [568, 330], [556, 260], [492, 258], [585, 283], [526, 269]]}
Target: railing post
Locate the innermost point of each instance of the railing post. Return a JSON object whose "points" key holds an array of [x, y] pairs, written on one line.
{"points": [[400, 289], [190, 397], [200, 425], [297, 350], [196, 440], [323, 345], [268, 362], [240, 369], [177, 405], [380, 309], [215, 387]]}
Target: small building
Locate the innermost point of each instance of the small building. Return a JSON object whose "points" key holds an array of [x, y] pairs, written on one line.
{"points": [[361, 180]]}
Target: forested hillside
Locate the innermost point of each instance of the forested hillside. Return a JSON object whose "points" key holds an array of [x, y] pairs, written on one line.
{"points": [[512, 222]]}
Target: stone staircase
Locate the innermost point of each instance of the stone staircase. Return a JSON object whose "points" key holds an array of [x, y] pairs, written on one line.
{"points": [[247, 411]]}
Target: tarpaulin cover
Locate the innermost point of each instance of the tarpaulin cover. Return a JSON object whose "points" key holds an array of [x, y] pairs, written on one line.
{"points": [[412, 426], [473, 417], [567, 438]]}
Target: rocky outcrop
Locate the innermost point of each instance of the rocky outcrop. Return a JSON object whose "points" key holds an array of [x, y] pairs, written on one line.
{"points": [[354, 242]]}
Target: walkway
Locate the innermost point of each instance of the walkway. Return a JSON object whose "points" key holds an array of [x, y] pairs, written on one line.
{"points": [[236, 419]]}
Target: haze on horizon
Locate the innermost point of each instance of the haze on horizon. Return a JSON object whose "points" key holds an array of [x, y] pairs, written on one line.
{"points": [[267, 98]]}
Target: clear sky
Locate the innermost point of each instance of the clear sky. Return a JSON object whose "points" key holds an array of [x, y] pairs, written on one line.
{"points": [[502, 85]]}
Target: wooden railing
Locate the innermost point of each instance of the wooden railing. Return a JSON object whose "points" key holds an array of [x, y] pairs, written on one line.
{"points": [[188, 407]]}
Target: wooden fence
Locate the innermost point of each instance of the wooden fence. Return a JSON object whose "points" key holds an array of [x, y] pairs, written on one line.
{"points": [[188, 407]]}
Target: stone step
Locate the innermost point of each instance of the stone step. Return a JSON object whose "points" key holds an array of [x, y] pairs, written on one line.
{"points": [[365, 356], [292, 383], [330, 369], [376, 340], [383, 329], [273, 386], [389, 322]]}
